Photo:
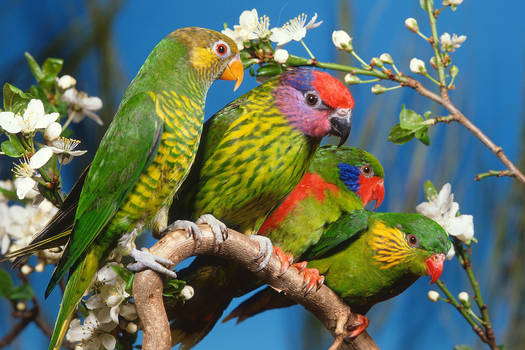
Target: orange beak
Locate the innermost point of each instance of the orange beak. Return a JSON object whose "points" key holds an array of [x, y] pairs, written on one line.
{"points": [[234, 71]]}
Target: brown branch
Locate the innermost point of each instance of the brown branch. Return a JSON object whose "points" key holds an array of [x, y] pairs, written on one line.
{"points": [[177, 246], [444, 99]]}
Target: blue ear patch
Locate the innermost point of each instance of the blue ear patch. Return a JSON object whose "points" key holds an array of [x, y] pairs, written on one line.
{"points": [[349, 174], [299, 78]]}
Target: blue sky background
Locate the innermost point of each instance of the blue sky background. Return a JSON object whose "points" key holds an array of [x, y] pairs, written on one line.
{"points": [[489, 91]]}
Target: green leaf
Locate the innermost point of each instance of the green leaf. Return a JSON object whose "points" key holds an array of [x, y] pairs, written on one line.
{"points": [[35, 68], [15, 100], [410, 120], [399, 135], [427, 114], [123, 273], [52, 66], [422, 135], [23, 292], [430, 190], [10, 149], [269, 70], [5, 283], [15, 141], [173, 287]]}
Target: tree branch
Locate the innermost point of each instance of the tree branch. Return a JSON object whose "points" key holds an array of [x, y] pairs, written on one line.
{"points": [[177, 246]]}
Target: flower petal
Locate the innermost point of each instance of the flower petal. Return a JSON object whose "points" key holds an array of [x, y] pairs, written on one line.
{"points": [[10, 122], [91, 103], [35, 109], [40, 158], [108, 341], [23, 186]]}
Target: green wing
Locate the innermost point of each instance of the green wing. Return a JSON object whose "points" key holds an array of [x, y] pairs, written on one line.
{"points": [[348, 227], [126, 150]]}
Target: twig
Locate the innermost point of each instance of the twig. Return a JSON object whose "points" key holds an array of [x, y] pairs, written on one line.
{"points": [[177, 246], [498, 173]]}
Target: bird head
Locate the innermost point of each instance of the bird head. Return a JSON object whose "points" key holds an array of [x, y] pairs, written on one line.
{"points": [[315, 103], [412, 242], [211, 54]]}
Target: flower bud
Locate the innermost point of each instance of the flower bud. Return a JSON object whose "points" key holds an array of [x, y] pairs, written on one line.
{"points": [[433, 63], [452, 2], [386, 58], [454, 70], [433, 296], [376, 62], [417, 66], [66, 81], [187, 292], [280, 56], [351, 79], [464, 298], [342, 40], [131, 328], [52, 132], [21, 305], [40, 267], [26, 269], [411, 24], [378, 89]]}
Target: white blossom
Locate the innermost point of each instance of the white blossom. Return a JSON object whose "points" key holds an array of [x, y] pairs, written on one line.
{"points": [[80, 105], [352, 79], [341, 39], [92, 333], [64, 149], [187, 292], [463, 297], [25, 171], [417, 66], [449, 43], [52, 132], [66, 82], [295, 29], [5, 222], [378, 89], [280, 56], [250, 27], [433, 296], [26, 221], [411, 24], [386, 58], [443, 210], [131, 328], [34, 117], [452, 2]]}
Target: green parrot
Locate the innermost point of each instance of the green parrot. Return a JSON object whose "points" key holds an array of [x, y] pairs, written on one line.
{"points": [[253, 153], [339, 180], [142, 159], [366, 258]]}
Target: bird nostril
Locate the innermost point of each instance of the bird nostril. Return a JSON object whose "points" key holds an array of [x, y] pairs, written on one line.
{"points": [[343, 112]]}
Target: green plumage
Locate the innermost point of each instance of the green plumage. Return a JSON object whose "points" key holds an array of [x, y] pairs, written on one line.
{"points": [[366, 258], [318, 200], [145, 154], [251, 157]]}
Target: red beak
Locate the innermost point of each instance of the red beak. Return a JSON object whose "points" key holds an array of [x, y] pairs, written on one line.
{"points": [[371, 189], [435, 266]]}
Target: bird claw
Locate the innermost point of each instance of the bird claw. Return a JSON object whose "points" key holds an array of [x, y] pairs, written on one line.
{"points": [[219, 229], [265, 250], [311, 277], [188, 226], [359, 326], [285, 259], [145, 260]]}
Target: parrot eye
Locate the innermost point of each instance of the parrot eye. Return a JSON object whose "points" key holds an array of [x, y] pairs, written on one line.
{"points": [[312, 99], [367, 170], [412, 240], [221, 49]]}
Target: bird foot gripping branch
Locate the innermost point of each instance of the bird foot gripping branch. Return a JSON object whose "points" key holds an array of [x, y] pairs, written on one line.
{"points": [[219, 229], [145, 260], [265, 252]]}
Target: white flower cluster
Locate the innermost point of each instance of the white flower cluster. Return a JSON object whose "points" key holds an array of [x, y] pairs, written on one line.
{"points": [[18, 224], [252, 27], [444, 210], [105, 305], [80, 105], [449, 43]]}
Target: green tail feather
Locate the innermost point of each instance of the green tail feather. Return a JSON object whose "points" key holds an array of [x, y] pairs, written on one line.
{"points": [[50, 242], [79, 281]]}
